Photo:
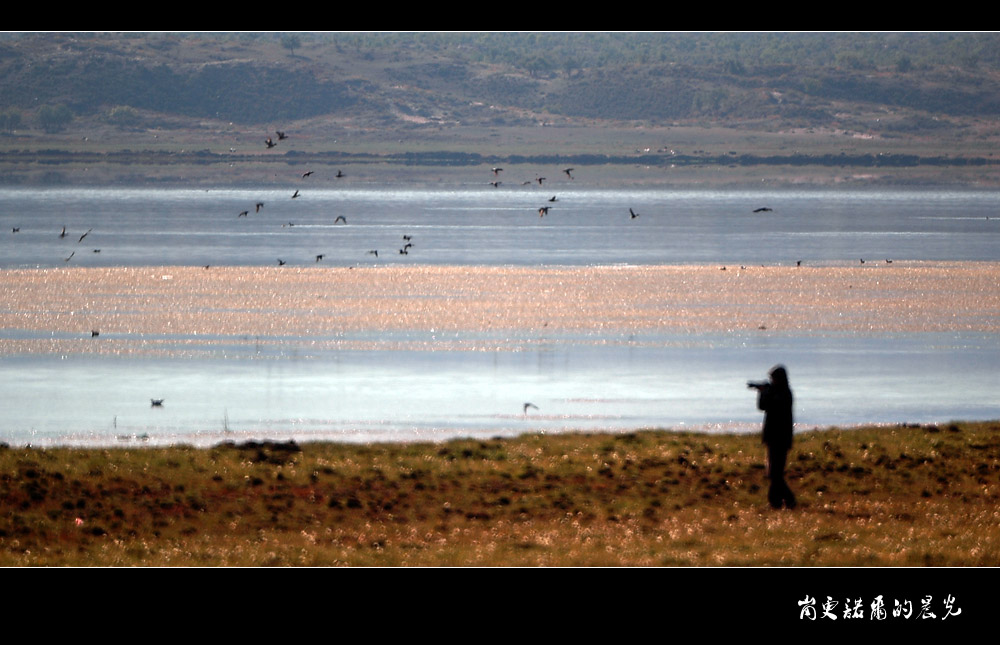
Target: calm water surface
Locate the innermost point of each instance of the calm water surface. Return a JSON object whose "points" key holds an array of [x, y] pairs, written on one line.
{"points": [[288, 390]]}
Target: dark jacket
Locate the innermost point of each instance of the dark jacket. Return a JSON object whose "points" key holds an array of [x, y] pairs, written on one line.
{"points": [[775, 400]]}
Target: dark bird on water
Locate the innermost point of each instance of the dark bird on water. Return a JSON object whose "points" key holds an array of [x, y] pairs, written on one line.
{"points": [[339, 174], [16, 229], [496, 184], [295, 195], [94, 333], [543, 211], [763, 209], [156, 403], [553, 199], [307, 173], [633, 213], [340, 218]]}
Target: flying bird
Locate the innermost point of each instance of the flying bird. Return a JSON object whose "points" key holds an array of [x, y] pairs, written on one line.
{"points": [[567, 171], [553, 199], [529, 405], [270, 143], [763, 209], [339, 174], [295, 195], [281, 135], [16, 229], [497, 171], [63, 234], [373, 252], [307, 173], [70, 257], [540, 180], [340, 218], [633, 213], [319, 257], [496, 184], [156, 403], [243, 213], [281, 262], [84, 235], [543, 211], [259, 205]]}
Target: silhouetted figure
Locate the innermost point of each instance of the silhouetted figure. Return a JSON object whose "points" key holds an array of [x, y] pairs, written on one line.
{"points": [[775, 399]]}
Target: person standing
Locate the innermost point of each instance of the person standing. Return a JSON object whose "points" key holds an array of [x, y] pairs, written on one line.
{"points": [[774, 398]]}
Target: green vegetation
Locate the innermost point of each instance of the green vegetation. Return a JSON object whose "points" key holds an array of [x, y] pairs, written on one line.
{"points": [[895, 496]]}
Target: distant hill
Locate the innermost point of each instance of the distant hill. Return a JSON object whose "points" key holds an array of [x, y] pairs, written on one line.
{"points": [[915, 83]]}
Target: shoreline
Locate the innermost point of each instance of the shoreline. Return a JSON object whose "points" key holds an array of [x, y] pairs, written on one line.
{"points": [[912, 496]]}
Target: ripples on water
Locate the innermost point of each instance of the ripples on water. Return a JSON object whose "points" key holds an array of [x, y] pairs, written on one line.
{"points": [[292, 390]]}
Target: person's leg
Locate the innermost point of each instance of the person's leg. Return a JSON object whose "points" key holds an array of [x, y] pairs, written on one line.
{"points": [[776, 473]]}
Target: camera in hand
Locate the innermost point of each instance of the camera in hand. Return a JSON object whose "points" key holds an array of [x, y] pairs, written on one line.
{"points": [[758, 385]]}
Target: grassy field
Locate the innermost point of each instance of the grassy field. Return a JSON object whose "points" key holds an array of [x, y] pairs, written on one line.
{"points": [[889, 496]]}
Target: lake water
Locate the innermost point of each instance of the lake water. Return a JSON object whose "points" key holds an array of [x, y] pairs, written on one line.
{"points": [[288, 390]]}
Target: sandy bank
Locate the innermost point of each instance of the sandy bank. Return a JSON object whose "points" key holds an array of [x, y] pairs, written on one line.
{"points": [[274, 302]]}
